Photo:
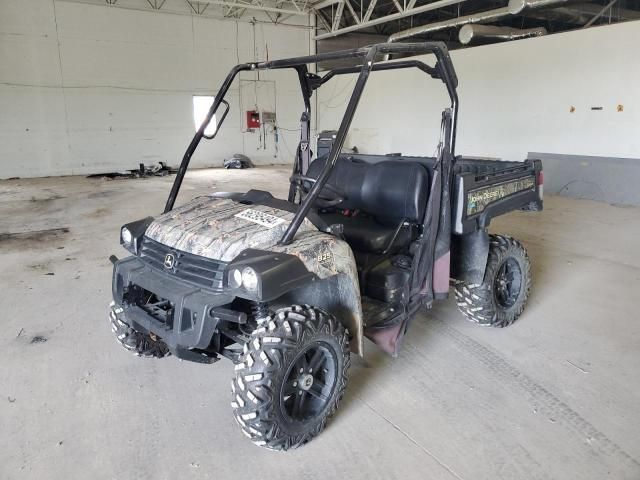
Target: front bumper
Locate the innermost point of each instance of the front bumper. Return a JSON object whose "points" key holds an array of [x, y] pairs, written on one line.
{"points": [[190, 322]]}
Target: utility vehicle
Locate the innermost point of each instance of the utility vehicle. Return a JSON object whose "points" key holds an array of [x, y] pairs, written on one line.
{"points": [[287, 289]]}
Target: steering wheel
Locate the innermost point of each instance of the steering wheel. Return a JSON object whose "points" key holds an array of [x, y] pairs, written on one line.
{"points": [[329, 196]]}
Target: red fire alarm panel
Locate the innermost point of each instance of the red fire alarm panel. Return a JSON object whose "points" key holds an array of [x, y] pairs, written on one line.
{"points": [[253, 119]]}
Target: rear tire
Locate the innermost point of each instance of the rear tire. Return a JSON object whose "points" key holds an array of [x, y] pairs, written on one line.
{"points": [[291, 377], [500, 299], [138, 343]]}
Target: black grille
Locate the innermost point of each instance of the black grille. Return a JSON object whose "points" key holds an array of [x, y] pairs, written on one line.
{"points": [[159, 308], [201, 271]]}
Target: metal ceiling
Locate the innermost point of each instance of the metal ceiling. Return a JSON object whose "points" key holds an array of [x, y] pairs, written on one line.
{"points": [[398, 20], [346, 23]]}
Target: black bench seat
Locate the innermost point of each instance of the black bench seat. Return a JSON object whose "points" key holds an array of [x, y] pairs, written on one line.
{"points": [[378, 197]]}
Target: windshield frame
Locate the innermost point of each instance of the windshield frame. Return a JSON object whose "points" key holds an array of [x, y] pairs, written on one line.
{"points": [[309, 82]]}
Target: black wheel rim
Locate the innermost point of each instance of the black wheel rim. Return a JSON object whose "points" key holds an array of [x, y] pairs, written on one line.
{"points": [[508, 283], [309, 383]]}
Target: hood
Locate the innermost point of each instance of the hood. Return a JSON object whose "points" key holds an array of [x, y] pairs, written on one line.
{"points": [[220, 228]]}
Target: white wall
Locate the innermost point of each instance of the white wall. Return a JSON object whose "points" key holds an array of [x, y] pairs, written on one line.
{"points": [[514, 98], [94, 88]]}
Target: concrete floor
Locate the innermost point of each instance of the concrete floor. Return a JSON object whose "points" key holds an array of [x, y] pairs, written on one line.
{"points": [[556, 395]]}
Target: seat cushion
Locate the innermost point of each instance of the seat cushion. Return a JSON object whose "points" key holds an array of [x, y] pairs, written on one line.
{"points": [[366, 234], [389, 190], [393, 190]]}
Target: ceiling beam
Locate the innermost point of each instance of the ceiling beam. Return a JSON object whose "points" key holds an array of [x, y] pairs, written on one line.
{"points": [[488, 15], [600, 13], [352, 11], [197, 7], [367, 14], [617, 13], [324, 4], [156, 4], [222, 13], [325, 23], [515, 7], [251, 6], [388, 18], [335, 25]]}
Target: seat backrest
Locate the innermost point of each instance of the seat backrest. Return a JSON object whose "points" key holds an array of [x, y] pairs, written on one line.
{"points": [[389, 190]]}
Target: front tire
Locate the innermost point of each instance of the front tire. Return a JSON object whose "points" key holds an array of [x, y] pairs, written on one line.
{"points": [[500, 299], [291, 377]]}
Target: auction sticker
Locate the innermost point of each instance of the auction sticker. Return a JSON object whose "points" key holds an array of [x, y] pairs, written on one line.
{"points": [[261, 218]]}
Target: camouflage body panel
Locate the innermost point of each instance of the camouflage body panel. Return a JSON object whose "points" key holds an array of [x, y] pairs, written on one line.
{"points": [[221, 228], [322, 254], [210, 227], [331, 259]]}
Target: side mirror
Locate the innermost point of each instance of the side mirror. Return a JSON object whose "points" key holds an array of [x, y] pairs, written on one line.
{"points": [[219, 122]]}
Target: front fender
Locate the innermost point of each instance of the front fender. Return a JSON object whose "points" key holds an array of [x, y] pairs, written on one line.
{"points": [[337, 289]]}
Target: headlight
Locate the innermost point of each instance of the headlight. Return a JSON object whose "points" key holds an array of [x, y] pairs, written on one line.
{"points": [[235, 278], [264, 276], [131, 234], [127, 237], [245, 278], [250, 279]]}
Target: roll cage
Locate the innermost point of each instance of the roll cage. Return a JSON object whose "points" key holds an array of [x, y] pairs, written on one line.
{"points": [[442, 70]]}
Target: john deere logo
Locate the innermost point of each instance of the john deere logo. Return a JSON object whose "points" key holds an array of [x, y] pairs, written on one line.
{"points": [[169, 261]]}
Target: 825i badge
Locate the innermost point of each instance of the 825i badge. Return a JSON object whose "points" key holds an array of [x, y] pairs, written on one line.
{"points": [[324, 257]]}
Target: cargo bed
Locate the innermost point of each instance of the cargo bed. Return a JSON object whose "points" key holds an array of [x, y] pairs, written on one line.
{"points": [[482, 188]]}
